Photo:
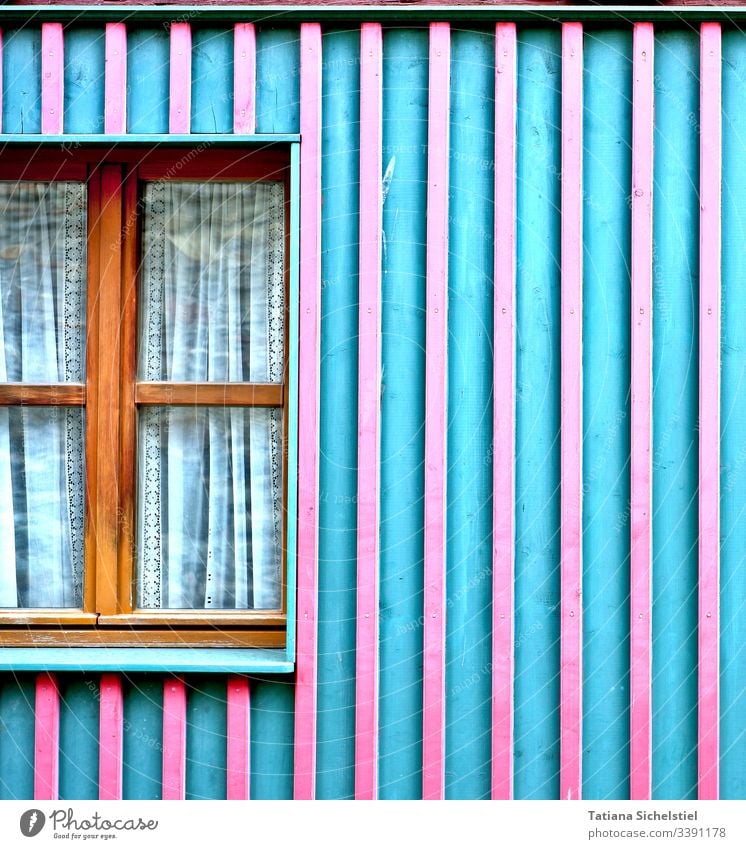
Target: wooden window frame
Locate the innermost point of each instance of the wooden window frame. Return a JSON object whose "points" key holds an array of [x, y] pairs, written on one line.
{"points": [[115, 175]]}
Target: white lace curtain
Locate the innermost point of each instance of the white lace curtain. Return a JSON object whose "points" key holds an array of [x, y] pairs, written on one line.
{"points": [[210, 478], [42, 340]]}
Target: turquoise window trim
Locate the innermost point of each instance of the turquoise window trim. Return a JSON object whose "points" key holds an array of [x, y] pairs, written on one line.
{"points": [[192, 659]]}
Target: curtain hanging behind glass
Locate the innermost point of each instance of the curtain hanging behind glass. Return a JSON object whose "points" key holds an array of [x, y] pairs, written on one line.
{"points": [[210, 479], [42, 340]]}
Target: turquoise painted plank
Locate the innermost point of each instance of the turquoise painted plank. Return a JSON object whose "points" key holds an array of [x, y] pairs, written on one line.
{"points": [[607, 125], [733, 424], [84, 81], [143, 737], [277, 81], [206, 739], [537, 584], [22, 81], [147, 81], [470, 429], [339, 359], [405, 74], [212, 81], [675, 389], [272, 738], [16, 737], [79, 718], [145, 660]]}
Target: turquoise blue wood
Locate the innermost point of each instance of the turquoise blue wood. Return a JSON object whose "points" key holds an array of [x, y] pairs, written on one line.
{"points": [[206, 738], [22, 81], [339, 360], [733, 410], [405, 72], [143, 737], [606, 413], [469, 511], [537, 589], [212, 81], [271, 738], [277, 81], [16, 737], [84, 81], [147, 80], [675, 389], [79, 718]]}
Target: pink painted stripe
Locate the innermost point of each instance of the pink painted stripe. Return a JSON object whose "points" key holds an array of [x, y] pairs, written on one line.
{"points": [[308, 409], [642, 400], [115, 80], [571, 412], [244, 78], [369, 397], [52, 78], [111, 736], [239, 738], [46, 738], [174, 738], [503, 509], [709, 408], [180, 85], [436, 376]]}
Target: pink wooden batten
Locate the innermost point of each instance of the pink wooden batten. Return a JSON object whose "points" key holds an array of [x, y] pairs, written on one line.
{"points": [[239, 738], [174, 738], [709, 408], [115, 80], [369, 397], [571, 470], [642, 400], [244, 78], [436, 377], [503, 510], [1, 80], [180, 84], [111, 728], [52, 78], [46, 737], [308, 409]]}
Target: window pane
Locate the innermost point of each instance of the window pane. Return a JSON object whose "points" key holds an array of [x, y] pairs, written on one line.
{"points": [[210, 508], [41, 506], [43, 269], [212, 290]]}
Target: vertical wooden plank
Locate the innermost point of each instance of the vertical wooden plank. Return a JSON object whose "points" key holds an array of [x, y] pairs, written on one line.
{"points": [[174, 739], [239, 737], [52, 78], [308, 410], [244, 78], [436, 371], [641, 414], [369, 399], [107, 493], [46, 737], [571, 412], [709, 409], [111, 736], [1, 80], [148, 80], [340, 170], [405, 93], [503, 503], [115, 79], [180, 79]]}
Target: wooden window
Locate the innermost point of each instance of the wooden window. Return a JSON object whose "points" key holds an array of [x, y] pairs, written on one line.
{"points": [[162, 459]]}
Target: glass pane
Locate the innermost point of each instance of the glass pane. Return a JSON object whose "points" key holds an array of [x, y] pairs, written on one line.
{"points": [[42, 490], [43, 270], [210, 508], [212, 282]]}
